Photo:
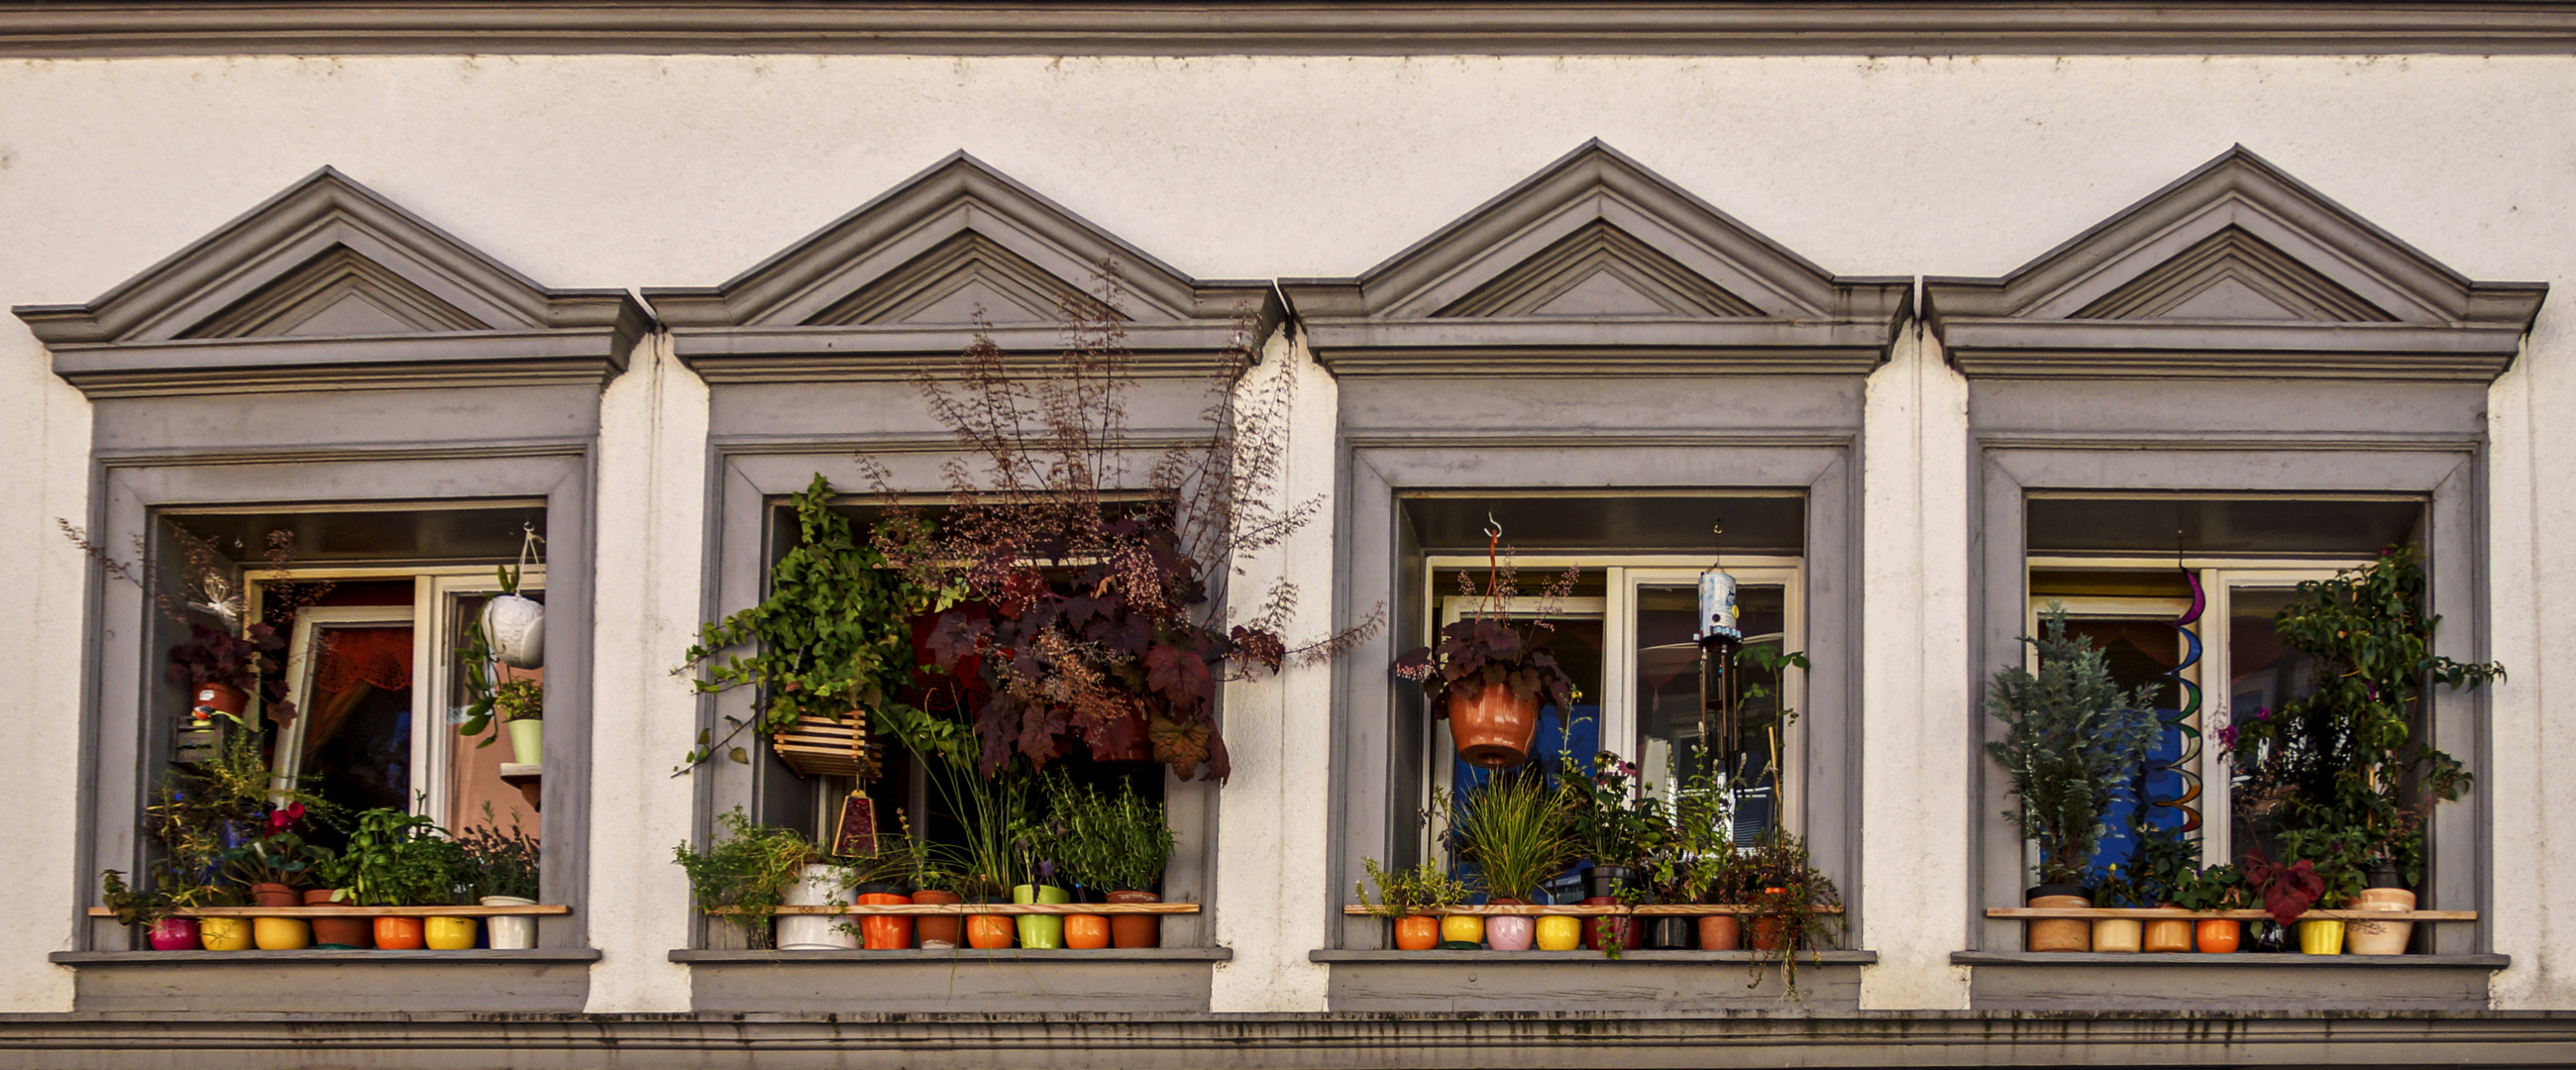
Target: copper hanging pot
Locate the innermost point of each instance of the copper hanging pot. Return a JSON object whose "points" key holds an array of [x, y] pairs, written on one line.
{"points": [[1493, 727]]}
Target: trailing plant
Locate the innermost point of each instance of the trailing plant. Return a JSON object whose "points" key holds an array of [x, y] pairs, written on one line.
{"points": [[2345, 776], [1786, 890], [747, 873], [1095, 607], [2071, 740], [1424, 889], [1515, 829], [834, 635], [1490, 648], [502, 863]]}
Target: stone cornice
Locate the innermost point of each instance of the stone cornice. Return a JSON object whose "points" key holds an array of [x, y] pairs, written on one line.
{"points": [[1272, 28]]}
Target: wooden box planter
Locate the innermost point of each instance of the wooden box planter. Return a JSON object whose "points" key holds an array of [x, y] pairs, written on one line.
{"points": [[829, 746]]}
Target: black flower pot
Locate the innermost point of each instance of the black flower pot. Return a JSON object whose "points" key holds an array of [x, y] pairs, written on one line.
{"points": [[1609, 880], [1672, 934], [2269, 937], [2385, 875]]}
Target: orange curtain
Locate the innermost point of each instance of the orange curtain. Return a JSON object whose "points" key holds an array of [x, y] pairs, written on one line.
{"points": [[350, 664]]}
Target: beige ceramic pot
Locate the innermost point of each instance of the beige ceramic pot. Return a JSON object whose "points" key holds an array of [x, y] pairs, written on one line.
{"points": [[2379, 937], [2169, 937], [2058, 934]]}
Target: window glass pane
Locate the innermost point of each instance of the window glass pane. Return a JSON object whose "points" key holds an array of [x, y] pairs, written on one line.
{"points": [[357, 731], [2263, 674], [1678, 739]]}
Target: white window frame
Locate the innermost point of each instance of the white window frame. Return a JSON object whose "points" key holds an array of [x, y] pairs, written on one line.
{"points": [[436, 592], [2220, 578], [1616, 609]]}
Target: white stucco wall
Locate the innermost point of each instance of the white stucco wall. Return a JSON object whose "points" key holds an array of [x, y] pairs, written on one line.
{"points": [[624, 171]]}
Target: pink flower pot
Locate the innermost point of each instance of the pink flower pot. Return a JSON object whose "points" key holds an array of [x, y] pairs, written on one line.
{"points": [[174, 934]]}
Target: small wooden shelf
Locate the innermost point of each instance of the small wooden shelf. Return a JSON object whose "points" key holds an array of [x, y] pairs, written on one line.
{"points": [[2112, 913], [936, 909], [1647, 910], [529, 778], [355, 912]]}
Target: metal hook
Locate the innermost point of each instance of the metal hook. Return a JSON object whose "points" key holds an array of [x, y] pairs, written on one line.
{"points": [[1493, 527]]}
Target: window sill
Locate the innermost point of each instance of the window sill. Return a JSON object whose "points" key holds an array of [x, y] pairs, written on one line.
{"points": [[1584, 958], [2238, 959], [1014, 980], [1637, 982], [542, 980], [2234, 983], [919, 955]]}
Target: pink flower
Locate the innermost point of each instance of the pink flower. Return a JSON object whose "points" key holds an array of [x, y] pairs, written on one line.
{"points": [[2227, 736], [280, 820]]}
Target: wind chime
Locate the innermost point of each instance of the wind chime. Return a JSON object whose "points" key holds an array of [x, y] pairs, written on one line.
{"points": [[1719, 638]]}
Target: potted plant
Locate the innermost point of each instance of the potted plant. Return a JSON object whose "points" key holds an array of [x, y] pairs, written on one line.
{"points": [[2217, 888], [1514, 829], [157, 908], [399, 859], [1794, 904], [2288, 891], [513, 624], [885, 874], [832, 642], [1118, 846], [1413, 899], [992, 811], [222, 669], [1698, 859], [1490, 673], [506, 867], [273, 866], [747, 874], [2071, 740], [1617, 826]]}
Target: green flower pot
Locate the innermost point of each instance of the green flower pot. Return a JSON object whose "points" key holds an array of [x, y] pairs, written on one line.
{"points": [[1041, 930]]}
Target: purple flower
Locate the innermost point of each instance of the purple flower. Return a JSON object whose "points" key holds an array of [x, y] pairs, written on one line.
{"points": [[2263, 714], [1046, 870], [2227, 736]]}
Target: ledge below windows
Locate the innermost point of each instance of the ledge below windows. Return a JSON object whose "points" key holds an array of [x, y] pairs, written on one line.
{"points": [[1640, 982], [922, 981], [542, 980], [2060, 981]]}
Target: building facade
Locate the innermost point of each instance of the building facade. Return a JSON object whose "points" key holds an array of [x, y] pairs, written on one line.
{"points": [[1942, 312]]}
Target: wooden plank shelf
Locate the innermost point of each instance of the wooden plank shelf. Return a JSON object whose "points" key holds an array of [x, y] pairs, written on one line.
{"points": [[1647, 910], [356, 912], [2112, 913], [936, 909]]}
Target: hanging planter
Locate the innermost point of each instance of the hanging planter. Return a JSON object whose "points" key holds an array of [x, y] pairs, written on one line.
{"points": [[516, 625], [1490, 673]]}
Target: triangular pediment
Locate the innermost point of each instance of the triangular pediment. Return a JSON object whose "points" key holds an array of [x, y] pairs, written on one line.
{"points": [[2233, 275], [1600, 270], [2234, 269], [952, 240], [964, 280], [337, 293], [296, 293]]}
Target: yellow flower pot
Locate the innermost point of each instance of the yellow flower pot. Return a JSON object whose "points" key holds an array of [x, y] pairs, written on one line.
{"points": [[281, 934], [224, 934], [449, 934], [1557, 932], [2321, 936], [1462, 928]]}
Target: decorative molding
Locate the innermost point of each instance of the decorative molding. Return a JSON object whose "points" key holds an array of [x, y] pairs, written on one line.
{"points": [[2234, 270], [1280, 27], [902, 280], [329, 286], [1596, 265]]}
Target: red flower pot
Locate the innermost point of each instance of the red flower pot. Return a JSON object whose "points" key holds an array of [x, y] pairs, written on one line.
{"points": [[174, 934]]}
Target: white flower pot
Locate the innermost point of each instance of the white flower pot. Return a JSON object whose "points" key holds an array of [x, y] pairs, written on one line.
{"points": [[815, 932], [516, 628], [527, 741], [516, 932]]}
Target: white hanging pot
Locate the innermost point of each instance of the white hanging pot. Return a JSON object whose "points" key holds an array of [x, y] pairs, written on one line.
{"points": [[516, 628]]}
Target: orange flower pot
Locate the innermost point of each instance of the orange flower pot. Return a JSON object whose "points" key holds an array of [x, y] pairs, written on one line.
{"points": [[1086, 932], [938, 931], [2168, 937], [346, 932], [884, 932], [1493, 727], [2219, 936], [1421, 932], [1135, 930], [989, 932], [400, 934]]}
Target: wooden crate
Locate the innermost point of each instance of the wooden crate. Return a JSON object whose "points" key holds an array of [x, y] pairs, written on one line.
{"points": [[830, 746]]}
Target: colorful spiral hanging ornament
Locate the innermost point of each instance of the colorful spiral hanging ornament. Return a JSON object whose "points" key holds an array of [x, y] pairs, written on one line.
{"points": [[2185, 721]]}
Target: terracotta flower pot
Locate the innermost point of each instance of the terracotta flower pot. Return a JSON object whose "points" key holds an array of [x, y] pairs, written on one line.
{"points": [[2057, 934], [1769, 932], [400, 934], [2380, 937], [219, 698], [1559, 932], [1720, 932], [1493, 727], [2169, 937], [273, 895], [336, 932], [1086, 932], [885, 932], [989, 932], [938, 932], [224, 934], [2219, 936], [1417, 932], [1135, 930], [174, 934]]}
